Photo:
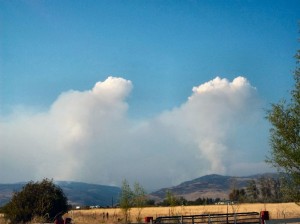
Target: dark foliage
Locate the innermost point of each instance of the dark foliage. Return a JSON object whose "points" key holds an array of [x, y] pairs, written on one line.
{"points": [[36, 199], [266, 190]]}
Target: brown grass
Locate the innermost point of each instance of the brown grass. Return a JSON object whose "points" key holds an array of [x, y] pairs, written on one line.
{"points": [[91, 216]]}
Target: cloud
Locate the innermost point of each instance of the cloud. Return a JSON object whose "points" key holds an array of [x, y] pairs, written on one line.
{"points": [[88, 136]]}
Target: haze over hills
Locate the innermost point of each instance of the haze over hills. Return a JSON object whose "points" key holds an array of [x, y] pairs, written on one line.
{"points": [[6, 191], [209, 186], [78, 193]]}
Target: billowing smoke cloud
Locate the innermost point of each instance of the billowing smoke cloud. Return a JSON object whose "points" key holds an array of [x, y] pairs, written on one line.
{"points": [[88, 136]]}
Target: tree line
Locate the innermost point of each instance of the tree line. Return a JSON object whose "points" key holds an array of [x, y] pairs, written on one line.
{"points": [[265, 190], [172, 200]]}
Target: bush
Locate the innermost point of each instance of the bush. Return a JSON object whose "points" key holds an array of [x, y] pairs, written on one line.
{"points": [[36, 199]]}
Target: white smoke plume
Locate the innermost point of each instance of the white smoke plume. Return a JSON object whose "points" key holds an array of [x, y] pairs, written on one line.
{"points": [[88, 136]]}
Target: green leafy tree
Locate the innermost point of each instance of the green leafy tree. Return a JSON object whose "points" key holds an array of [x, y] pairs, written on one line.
{"points": [[252, 191], [277, 192], [36, 200], [126, 200], [285, 134], [266, 188], [150, 202], [171, 199], [288, 190], [237, 195], [139, 199], [182, 201]]}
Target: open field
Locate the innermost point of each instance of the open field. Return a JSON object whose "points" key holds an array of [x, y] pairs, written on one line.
{"points": [[91, 216], [114, 215]]}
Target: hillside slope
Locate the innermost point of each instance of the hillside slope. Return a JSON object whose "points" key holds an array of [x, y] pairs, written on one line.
{"points": [[78, 193], [209, 186]]}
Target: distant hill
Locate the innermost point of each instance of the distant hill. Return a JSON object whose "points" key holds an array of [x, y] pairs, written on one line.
{"points": [[209, 186], [78, 193], [6, 191]]}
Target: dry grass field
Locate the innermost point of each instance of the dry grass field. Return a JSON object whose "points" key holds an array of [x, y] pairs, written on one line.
{"points": [[93, 216], [114, 215]]}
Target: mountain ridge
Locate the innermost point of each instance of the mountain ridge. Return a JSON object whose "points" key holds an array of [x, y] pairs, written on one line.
{"points": [[208, 186], [80, 193]]}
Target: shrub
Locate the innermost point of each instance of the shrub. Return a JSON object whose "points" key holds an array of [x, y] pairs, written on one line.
{"points": [[36, 199]]}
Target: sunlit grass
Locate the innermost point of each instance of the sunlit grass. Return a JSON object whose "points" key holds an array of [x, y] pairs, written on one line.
{"points": [[91, 216], [114, 215]]}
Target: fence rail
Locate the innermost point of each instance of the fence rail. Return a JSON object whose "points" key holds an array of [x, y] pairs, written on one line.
{"points": [[278, 221], [228, 218]]}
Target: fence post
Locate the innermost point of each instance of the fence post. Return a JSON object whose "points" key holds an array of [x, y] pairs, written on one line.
{"points": [[227, 213], [264, 215]]}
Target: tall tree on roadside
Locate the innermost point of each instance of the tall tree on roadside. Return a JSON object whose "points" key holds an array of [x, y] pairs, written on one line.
{"points": [[285, 134], [139, 199], [126, 200], [171, 200]]}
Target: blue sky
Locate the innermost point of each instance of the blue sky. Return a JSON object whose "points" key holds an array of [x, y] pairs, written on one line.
{"points": [[162, 48]]}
